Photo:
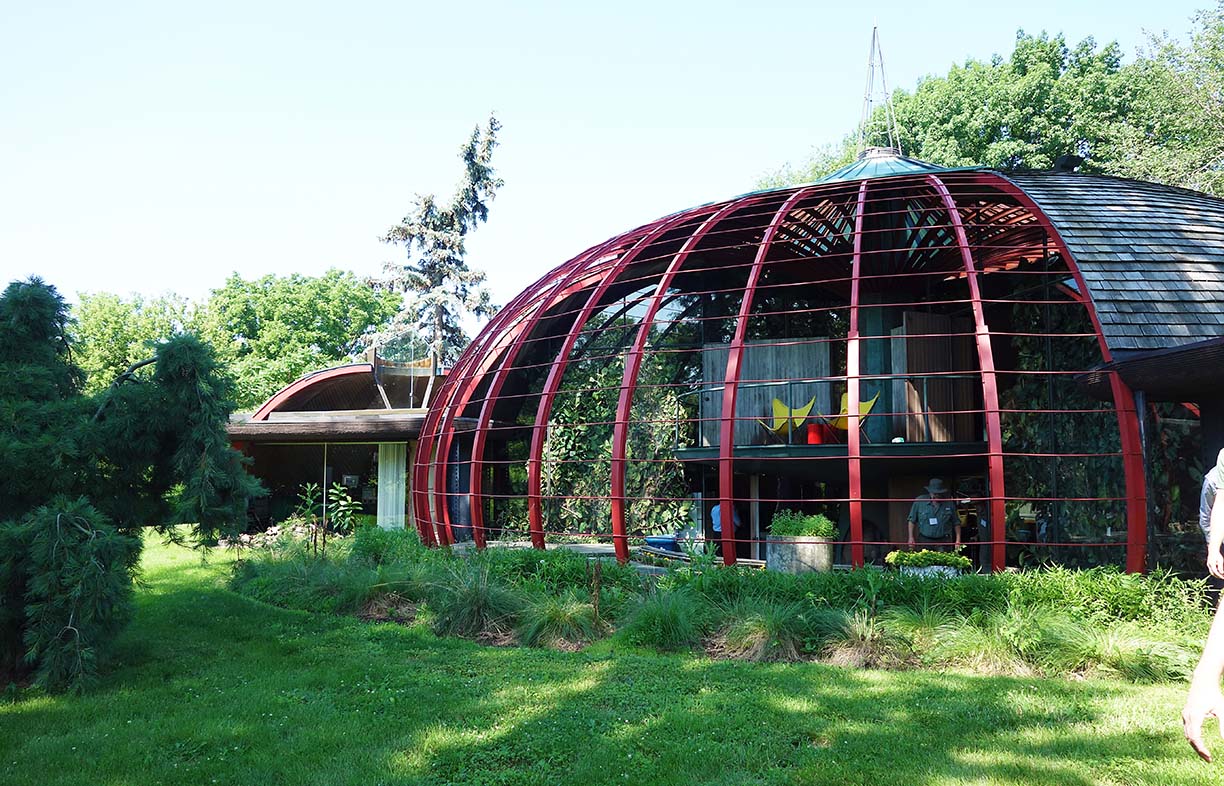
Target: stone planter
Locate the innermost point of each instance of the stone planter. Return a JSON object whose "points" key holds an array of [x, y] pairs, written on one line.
{"points": [[931, 571], [799, 555]]}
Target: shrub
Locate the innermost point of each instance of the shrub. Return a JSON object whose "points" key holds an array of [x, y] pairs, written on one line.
{"points": [[1106, 593], [565, 621], [342, 510], [927, 558], [469, 601], [666, 620], [792, 524]]}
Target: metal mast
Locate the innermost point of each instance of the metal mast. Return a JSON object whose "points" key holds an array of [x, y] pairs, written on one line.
{"points": [[875, 60]]}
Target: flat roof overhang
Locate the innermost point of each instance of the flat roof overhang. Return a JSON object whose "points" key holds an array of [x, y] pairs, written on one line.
{"points": [[1188, 372], [334, 426]]}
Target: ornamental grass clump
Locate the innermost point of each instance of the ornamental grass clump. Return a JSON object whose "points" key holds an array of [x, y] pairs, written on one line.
{"points": [[567, 621], [297, 579], [865, 640], [667, 620], [762, 630], [469, 601]]}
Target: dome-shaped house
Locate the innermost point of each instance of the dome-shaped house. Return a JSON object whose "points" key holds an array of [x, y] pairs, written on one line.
{"points": [[829, 349]]}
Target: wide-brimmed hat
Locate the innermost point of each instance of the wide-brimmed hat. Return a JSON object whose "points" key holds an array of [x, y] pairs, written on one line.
{"points": [[936, 486]]}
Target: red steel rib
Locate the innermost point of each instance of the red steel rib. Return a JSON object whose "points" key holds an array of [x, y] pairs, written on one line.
{"points": [[564, 286], [1124, 398], [535, 461], [726, 438], [633, 364], [990, 387], [853, 436]]}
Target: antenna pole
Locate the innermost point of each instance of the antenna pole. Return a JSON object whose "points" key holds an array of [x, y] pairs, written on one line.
{"points": [[876, 54]]}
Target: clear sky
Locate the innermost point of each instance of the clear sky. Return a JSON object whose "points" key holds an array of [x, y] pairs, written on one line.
{"points": [[161, 146]]}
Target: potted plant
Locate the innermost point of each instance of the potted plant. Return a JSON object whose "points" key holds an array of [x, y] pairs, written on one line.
{"points": [[929, 563], [799, 543]]}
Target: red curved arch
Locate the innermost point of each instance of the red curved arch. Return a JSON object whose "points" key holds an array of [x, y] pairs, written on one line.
{"points": [[557, 370], [990, 386], [564, 286], [1124, 398], [633, 364], [854, 447], [726, 437]]}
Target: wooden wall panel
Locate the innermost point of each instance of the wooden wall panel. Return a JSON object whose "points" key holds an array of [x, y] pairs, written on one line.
{"points": [[917, 352], [763, 362], [966, 393]]}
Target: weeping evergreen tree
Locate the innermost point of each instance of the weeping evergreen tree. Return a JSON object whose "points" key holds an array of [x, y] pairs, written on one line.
{"points": [[439, 287], [81, 475]]}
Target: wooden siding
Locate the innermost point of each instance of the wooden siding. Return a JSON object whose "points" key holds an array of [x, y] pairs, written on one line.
{"points": [[805, 363]]}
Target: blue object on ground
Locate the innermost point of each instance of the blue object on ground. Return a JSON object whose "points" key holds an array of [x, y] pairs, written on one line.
{"points": [[667, 542]]}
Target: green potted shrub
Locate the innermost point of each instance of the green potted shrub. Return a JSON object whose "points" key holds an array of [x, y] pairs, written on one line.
{"points": [[799, 543], [929, 563]]}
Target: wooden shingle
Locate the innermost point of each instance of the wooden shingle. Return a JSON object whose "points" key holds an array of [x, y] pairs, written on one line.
{"points": [[1152, 256]]}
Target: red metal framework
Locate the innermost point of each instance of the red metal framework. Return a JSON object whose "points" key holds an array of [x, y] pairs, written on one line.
{"points": [[815, 292]]}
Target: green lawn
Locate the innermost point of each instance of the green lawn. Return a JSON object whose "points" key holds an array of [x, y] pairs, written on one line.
{"points": [[210, 687]]}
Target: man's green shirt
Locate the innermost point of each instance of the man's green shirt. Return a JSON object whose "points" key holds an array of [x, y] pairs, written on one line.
{"points": [[933, 518]]}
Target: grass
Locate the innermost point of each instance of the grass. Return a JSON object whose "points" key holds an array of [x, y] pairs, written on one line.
{"points": [[211, 687]]}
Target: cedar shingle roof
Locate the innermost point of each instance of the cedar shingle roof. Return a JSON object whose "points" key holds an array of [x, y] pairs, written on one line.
{"points": [[1152, 256]]}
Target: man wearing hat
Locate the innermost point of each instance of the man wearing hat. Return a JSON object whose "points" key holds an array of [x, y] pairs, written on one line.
{"points": [[932, 518]]}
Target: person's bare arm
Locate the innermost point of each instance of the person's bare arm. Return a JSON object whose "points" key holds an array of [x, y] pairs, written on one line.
{"points": [[1215, 561], [910, 524], [1205, 700]]}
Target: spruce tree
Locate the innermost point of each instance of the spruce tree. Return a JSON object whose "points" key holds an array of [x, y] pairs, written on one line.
{"points": [[439, 286]]}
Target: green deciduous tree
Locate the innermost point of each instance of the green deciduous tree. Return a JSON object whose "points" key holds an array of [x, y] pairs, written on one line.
{"points": [[1175, 131], [271, 330], [1160, 117], [440, 289], [1046, 100], [112, 333]]}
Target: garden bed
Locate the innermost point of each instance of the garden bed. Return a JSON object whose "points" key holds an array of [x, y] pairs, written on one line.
{"points": [[1052, 622]]}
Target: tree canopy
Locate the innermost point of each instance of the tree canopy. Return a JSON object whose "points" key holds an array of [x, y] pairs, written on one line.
{"points": [[439, 286], [271, 330], [1160, 117], [266, 332], [110, 333]]}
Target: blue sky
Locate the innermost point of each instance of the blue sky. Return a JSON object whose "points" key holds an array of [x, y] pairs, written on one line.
{"points": [[160, 146]]}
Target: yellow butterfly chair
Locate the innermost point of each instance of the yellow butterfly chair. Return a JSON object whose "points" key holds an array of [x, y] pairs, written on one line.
{"points": [[785, 418], [842, 421]]}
